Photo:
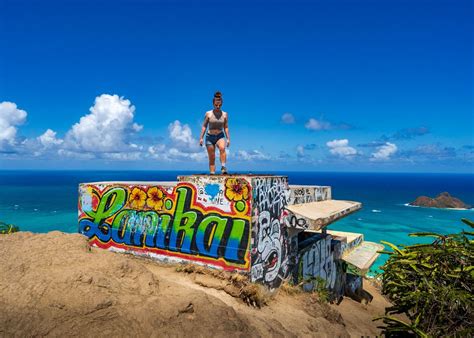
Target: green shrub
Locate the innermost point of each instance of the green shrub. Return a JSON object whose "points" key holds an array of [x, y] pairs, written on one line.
{"points": [[318, 286], [8, 228], [432, 284]]}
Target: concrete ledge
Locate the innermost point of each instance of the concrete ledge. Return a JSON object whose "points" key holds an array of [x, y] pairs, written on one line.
{"points": [[316, 215], [361, 258]]}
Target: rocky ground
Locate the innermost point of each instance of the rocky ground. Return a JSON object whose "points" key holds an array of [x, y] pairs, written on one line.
{"points": [[56, 285]]}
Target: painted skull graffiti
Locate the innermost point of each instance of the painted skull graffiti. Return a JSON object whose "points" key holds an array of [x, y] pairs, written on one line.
{"points": [[270, 236], [269, 245]]}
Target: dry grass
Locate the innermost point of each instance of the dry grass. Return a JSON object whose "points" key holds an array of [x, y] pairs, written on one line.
{"points": [[235, 284], [290, 289]]}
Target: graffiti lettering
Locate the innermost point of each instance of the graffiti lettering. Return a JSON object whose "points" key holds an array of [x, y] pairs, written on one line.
{"points": [[293, 221], [318, 261], [303, 194], [322, 259], [177, 226]]}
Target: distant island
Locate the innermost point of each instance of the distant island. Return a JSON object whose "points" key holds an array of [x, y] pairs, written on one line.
{"points": [[443, 200]]}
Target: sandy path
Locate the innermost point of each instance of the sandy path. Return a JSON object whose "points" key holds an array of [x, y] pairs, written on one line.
{"points": [[55, 285]]}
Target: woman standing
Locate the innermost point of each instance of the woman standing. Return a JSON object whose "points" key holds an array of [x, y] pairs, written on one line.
{"points": [[216, 123]]}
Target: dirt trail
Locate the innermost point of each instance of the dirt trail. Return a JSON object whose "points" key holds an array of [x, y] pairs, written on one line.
{"points": [[55, 285]]}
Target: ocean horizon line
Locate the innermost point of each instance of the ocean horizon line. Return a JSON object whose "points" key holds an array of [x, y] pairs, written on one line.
{"points": [[197, 172]]}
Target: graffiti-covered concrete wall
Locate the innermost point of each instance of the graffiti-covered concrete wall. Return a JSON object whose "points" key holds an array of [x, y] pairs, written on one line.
{"points": [[320, 257], [256, 225], [270, 238], [206, 222], [324, 256], [307, 193]]}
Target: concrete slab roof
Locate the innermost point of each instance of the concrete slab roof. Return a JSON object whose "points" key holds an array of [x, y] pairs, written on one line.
{"points": [[320, 214], [363, 256]]}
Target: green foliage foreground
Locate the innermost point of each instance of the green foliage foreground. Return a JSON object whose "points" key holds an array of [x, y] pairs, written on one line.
{"points": [[432, 284], [6, 229]]}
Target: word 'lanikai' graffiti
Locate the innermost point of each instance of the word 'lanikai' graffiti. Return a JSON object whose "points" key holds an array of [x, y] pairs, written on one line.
{"points": [[169, 221]]}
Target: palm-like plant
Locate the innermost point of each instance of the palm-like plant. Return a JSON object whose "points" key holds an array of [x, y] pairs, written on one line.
{"points": [[432, 284]]}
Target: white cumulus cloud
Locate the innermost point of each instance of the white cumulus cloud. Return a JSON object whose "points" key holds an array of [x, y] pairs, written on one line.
{"points": [[10, 118], [384, 152], [156, 150], [182, 146], [252, 155], [75, 155], [48, 139], [313, 124], [177, 154], [181, 138], [107, 128], [341, 148], [123, 156]]}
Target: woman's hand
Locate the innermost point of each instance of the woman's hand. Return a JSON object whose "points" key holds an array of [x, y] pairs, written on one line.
{"points": [[201, 141], [228, 143]]}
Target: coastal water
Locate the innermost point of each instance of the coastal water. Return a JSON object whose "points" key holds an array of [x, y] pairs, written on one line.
{"points": [[42, 201]]}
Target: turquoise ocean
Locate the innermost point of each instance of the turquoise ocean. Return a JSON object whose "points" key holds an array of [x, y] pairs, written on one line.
{"points": [[42, 201]]}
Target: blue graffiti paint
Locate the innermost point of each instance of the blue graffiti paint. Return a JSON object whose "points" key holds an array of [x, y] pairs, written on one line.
{"points": [[185, 229], [212, 190]]}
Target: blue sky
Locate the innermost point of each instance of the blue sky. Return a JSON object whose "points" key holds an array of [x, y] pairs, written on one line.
{"points": [[309, 85]]}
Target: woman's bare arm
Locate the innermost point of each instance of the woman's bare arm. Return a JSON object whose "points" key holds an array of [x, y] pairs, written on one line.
{"points": [[203, 129], [226, 129]]}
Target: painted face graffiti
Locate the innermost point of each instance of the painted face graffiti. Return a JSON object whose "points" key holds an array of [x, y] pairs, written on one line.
{"points": [[269, 246], [157, 221], [269, 233]]}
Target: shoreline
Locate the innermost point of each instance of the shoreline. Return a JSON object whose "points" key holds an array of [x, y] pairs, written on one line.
{"points": [[454, 209]]}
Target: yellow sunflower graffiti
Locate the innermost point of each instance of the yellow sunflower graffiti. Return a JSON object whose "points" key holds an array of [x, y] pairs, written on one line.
{"points": [[137, 198], [236, 189], [155, 198]]}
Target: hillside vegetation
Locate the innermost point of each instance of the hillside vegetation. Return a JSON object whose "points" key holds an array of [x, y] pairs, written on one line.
{"points": [[432, 284]]}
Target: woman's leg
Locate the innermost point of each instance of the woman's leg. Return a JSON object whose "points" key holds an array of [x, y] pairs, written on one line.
{"points": [[222, 154], [211, 153]]}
